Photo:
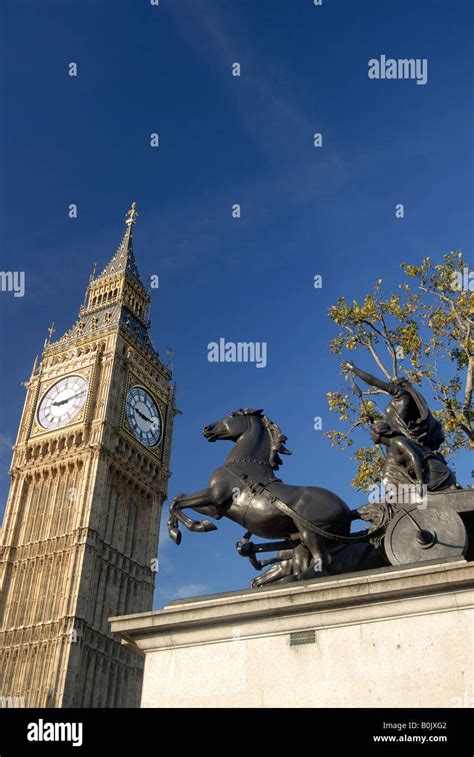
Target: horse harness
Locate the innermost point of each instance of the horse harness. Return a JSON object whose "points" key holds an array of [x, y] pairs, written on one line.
{"points": [[259, 488]]}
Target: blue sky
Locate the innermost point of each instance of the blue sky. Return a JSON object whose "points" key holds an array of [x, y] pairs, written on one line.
{"points": [[225, 140]]}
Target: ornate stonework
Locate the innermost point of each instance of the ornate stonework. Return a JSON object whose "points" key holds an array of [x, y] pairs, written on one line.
{"points": [[80, 534]]}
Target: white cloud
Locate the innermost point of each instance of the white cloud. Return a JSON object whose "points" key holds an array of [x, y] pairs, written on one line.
{"points": [[167, 591], [190, 590]]}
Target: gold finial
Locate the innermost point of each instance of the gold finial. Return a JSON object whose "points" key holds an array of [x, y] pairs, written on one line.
{"points": [[51, 331], [131, 217]]}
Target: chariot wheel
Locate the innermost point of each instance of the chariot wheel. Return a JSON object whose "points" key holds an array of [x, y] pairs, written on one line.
{"points": [[418, 534]]}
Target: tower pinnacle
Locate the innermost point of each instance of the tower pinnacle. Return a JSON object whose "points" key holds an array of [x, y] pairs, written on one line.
{"points": [[123, 261], [132, 214], [116, 299]]}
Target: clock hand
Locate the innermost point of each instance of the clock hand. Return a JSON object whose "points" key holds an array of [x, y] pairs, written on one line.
{"points": [[63, 402], [145, 417]]}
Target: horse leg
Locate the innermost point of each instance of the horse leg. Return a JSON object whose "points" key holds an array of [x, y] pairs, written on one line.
{"points": [[200, 500], [316, 546]]}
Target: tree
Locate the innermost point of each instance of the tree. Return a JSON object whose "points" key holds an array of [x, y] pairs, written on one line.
{"points": [[423, 332]]}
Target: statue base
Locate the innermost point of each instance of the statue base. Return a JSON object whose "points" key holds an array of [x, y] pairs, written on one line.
{"points": [[391, 637]]}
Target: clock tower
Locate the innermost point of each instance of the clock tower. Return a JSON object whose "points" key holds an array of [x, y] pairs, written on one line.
{"points": [[88, 480]]}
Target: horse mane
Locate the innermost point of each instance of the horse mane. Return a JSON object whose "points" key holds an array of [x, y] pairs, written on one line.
{"points": [[278, 439]]}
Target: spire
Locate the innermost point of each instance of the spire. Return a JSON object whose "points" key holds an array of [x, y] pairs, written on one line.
{"points": [[124, 259], [116, 299]]}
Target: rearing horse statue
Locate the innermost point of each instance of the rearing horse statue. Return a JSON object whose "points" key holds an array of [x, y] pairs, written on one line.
{"points": [[314, 522]]}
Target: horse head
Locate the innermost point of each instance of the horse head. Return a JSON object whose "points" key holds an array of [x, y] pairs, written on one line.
{"points": [[239, 422], [231, 427]]}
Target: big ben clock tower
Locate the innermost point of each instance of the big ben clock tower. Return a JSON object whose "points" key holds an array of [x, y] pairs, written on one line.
{"points": [[88, 480]]}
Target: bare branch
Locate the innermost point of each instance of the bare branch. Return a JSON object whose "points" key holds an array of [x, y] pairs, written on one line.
{"points": [[390, 346], [377, 360], [467, 404]]}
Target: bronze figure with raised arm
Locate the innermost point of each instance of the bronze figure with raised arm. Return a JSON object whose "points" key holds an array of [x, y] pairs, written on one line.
{"points": [[408, 415]]}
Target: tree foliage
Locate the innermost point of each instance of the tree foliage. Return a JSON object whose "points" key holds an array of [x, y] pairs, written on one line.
{"points": [[424, 332]]}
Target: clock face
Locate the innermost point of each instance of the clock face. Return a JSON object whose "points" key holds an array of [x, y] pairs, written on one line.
{"points": [[143, 416], [62, 402]]}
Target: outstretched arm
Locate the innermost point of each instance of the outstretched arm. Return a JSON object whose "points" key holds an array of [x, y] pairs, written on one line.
{"points": [[367, 377]]}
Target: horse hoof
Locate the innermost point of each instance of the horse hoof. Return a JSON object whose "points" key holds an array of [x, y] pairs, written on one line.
{"points": [[207, 525], [175, 535]]}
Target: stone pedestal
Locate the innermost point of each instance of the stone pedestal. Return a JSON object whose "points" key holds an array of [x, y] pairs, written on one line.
{"points": [[397, 637]]}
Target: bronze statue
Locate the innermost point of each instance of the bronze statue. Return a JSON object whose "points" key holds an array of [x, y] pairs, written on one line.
{"points": [[411, 434], [313, 522]]}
